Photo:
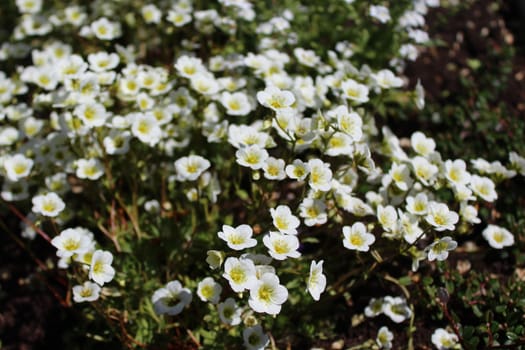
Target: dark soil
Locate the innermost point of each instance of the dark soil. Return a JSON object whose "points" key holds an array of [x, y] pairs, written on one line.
{"points": [[30, 315]]}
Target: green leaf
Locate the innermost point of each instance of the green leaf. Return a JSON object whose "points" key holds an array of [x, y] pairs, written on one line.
{"points": [[477, 311], [405, 281], [473, 63]]}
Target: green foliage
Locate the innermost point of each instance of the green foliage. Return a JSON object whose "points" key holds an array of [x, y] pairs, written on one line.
{"points": [[485, 308]]}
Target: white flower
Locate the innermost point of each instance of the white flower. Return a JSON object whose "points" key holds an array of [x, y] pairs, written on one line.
{"points": [[75, 15], [101, 270], [275, 98], [238, 238], [463, 193], [102, 61], [151, 13], [31, 126], [409, 225], [152, 206], [417, 205], [444, 340], [501, 172], [385, 79], [306, 57], [49, 204], [254, 338], [274, 169], [240, 273], [316, 283], [400, 173], [229, 312], [129, 86], [267, 295], [281, 246], [29, 6], [353, 205], [146, 128], [189, 66], [374, 307], [481, 165], [72, 241], [178, 18], [117, 142], [209, 290], [456, 173], [424, 170], [253, 157], [90, 169], [439, 249], [88, 291], [103, 29], [236, 103], [356, 237], [313, 211], [354, 91], [145, 102], [469, 213], [381, 13], [349, 122], [14, 191], [384, 338], [284, 220], [243, 135], [17, 167], [441, 217], [204, 83], [171, 299], [298, 170], [420, 91], [517, 162], [421, 144], [214, 258], [498, 237], [412, 19], [396, 308], [339, 144], [483, 187], [418, 35], [191, 167], [387, 217], [8, 135], [432, 3], [320, 175]]}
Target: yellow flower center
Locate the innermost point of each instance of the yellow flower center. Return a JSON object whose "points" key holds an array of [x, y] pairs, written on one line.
{"points": [[19, 168], [236, 239], [356, 240], [98, 267], [234, 105], [71, 244], [48, 206], [498, 237], [439, 219], [265, 293], [281, 223], [237, 275], [86, 292], [207, 291], [280, 247]]}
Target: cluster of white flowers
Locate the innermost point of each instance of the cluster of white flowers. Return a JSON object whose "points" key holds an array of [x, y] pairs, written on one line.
{"points": [[410, 22], [277, 118], [444, 340], [78, 245], [396, 308]]}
